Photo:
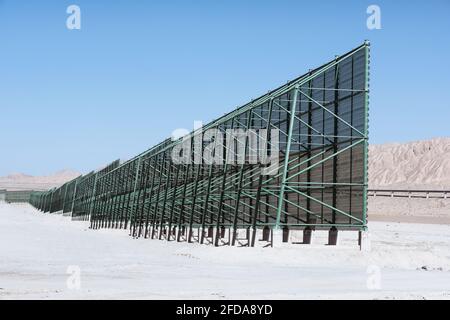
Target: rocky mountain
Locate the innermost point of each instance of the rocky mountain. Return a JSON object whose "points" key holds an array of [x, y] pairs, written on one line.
{"points": [[418, 164], [21, 181]]}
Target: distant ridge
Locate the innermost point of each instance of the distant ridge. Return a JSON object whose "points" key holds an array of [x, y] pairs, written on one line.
{"points": [[21, 181], [419, 164]]}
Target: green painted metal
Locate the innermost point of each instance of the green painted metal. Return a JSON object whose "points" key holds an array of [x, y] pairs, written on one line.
{"points": [[18, 196], [286, 160], [320, 181], [366, 130]]}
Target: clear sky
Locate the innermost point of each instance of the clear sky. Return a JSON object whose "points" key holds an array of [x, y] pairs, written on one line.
{"points": [[137, 70]]}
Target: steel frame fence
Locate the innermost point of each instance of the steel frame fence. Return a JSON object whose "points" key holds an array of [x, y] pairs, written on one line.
{"points": [[15, 196], [320, 180]]}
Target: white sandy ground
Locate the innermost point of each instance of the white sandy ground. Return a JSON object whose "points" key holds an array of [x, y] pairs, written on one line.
{"points": [[36, 250], [409, 210]]}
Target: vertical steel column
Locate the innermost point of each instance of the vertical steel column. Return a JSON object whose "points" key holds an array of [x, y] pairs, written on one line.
{"points": [[309, 153], [180, 219], [228, 144], [239, 190], [142, 190], [174, 198], [286, 159], [208, 190], [74, 196], [128, 210], [128, 185], [153, 169], [64, 197], [132, 213], [335, 141], [366, 132], [155, 211], [191, 217], [91, 206], [351, 142], [256, 211], [166, 191]]}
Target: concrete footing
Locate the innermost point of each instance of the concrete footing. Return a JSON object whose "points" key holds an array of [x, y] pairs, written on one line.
{"points": [[307, 236], [249, 237], [210, 232], [242, 237], [332, 236], [277, 238], [266, 234], [162, 233], [280, 237], [190, 236], [364, 241], [220, 236], [285, 234]]}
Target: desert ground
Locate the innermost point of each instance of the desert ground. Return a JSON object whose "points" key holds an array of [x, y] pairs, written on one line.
{"points": [[41, 253], [49, 256]]}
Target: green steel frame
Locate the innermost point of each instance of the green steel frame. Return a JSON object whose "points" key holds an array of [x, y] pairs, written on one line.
{"points": [[320, 181], [16, 196]]}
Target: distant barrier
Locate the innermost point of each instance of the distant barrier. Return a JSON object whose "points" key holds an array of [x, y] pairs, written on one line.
{"points": [[16, 196], [406, 193]]}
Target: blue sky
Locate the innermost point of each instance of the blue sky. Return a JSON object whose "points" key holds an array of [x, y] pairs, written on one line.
{"points": [[137, 70]]}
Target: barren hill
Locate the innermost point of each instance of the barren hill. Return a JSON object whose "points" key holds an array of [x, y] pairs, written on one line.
{"points": [[20, 181], [419, 164]]}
